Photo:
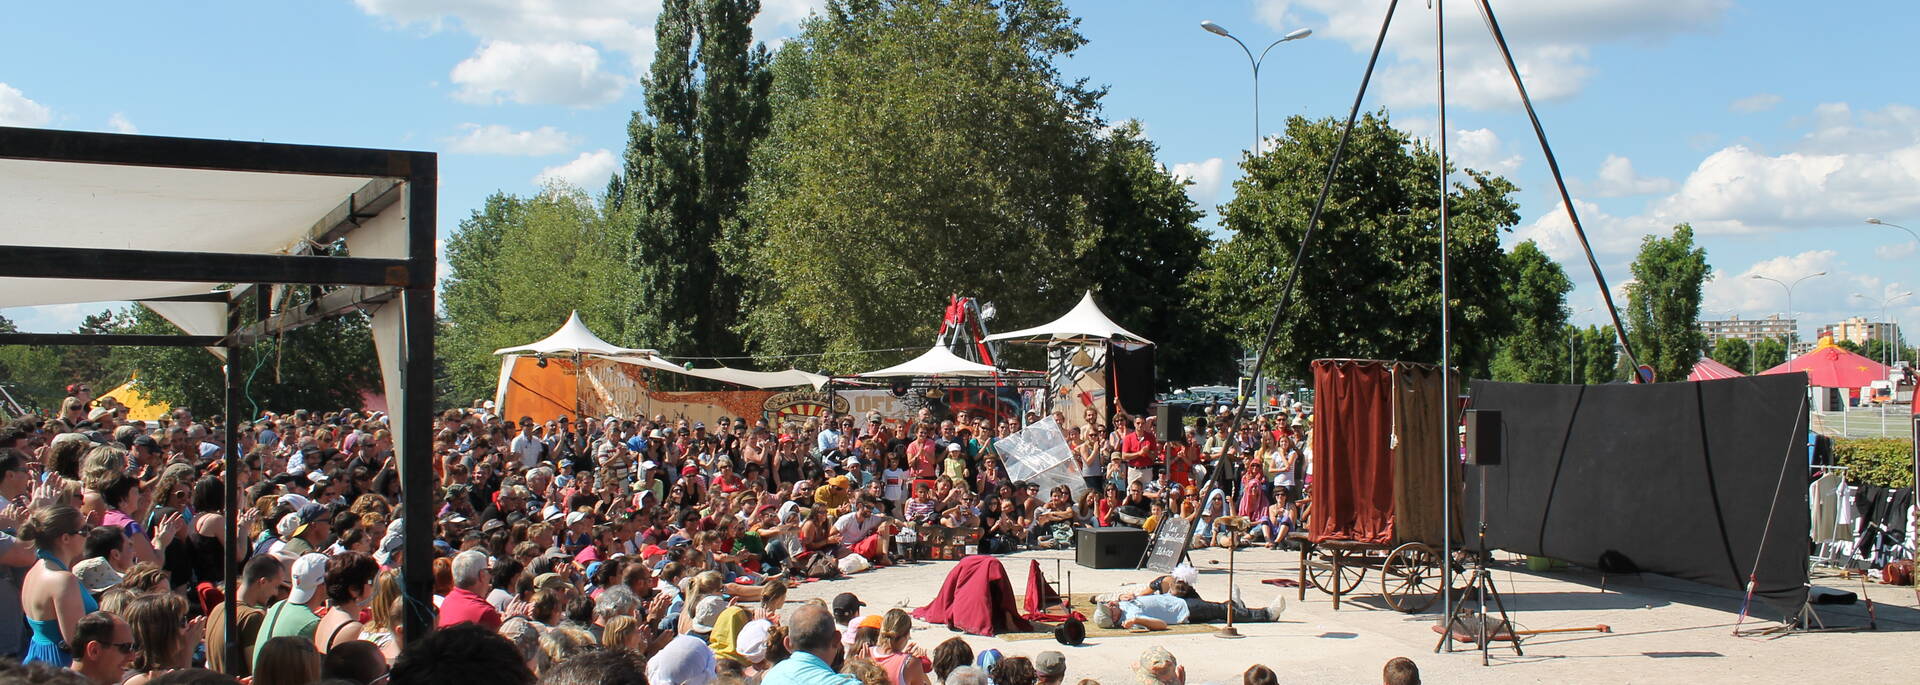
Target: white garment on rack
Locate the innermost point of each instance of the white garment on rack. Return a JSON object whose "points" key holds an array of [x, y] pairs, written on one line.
{"points": [[1823, 498], [1847, 514]]}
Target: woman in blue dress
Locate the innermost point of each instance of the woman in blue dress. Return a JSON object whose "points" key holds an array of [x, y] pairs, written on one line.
{"points": [[51, 595]]}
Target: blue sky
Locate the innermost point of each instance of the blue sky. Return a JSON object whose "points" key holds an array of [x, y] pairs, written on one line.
{"points": [[1775, 134]]}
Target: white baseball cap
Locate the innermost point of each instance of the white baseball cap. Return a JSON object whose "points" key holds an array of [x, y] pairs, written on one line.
{"points": [[309, 573]]}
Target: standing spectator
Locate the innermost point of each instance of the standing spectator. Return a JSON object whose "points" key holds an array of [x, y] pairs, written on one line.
{"points": [[287, 661], [465, 602], [51, 596], [165, 638], [260, 583], [295, 615], [103, 648], [350, 587], [1139, 450]]}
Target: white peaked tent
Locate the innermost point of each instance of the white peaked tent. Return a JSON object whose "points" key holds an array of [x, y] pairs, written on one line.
{"points": [[573, 338], [937, 361], [1085, 325]]}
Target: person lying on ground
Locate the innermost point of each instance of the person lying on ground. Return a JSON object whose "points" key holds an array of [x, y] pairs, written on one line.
{"points": [[1159, 610]]}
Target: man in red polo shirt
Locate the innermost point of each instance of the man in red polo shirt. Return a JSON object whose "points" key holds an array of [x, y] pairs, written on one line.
{"points": [[467, 603], [1141, 451]]}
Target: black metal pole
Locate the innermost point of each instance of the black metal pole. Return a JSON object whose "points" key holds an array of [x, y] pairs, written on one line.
{"points": [[414, 421], [1447, 453], [231, 564]]}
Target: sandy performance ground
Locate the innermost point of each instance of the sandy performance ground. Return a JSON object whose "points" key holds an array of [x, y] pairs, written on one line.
{"points": [[1664, 630]]}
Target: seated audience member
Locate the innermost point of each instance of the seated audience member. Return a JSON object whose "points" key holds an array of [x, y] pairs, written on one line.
{"points": [[1259, 675], [286, 661], [816, 646], [1050, 667], [600, 667], [1400, 671], [1158, 667]]}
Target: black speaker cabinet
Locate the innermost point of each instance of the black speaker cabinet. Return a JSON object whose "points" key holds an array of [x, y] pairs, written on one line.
{"points": [[1168, 423], [1111, 547], [1483, 437]]}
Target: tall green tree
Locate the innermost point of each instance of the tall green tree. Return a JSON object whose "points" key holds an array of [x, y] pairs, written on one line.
{"points": [[1370, 284], [93, 364], [1663, 303], [1769, 353], [1599, 356], [31, 373], [919, 148], [1735, 353], [686, 170], [1536, 291], [1145, 246], [516, 268], [324, 365]]}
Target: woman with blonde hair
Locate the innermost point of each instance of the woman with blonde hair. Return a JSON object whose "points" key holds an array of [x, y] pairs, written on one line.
{"points": [[51, 595], [621, 632], [165, 637], [381, 618], [895, 653]]}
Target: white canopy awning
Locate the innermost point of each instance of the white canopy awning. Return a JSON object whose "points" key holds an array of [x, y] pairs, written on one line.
{"points": [[938, 361], [68, 204], [1085, 324], [753, 379], [573, 338]]}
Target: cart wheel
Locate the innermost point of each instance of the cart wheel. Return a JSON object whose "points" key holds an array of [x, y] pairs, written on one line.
{"points": [[1352, 570], [1410, 580]]}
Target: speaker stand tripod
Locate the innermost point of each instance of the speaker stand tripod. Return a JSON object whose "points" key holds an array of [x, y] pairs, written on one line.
{"points": [[1468, 622]]}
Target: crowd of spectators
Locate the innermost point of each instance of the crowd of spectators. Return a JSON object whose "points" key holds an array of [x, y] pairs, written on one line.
{"points": [[607, 549]]}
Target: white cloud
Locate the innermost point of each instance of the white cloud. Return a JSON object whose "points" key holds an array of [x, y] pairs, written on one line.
{"points": [[17, 110], [1611, 236], [589, 171], [1206, 176], [536, 74], [616, 28], [495, 139], [1481, 149], [120, 124], [1760, 102], [1551, 41], [1617, 178]]}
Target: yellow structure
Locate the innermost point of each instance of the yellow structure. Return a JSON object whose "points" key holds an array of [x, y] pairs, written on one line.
{"points": [[139, 407]]}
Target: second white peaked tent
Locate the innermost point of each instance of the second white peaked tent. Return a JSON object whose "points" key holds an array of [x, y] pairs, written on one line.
{"points": [[1085, 325], [937, 361]]}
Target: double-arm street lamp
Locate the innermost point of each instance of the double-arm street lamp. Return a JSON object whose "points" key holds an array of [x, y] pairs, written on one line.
{"points": [[1219, 30], [1795, 335]]}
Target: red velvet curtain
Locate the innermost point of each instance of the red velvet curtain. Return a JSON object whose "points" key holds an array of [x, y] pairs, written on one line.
{"points": [[1352, 451]]}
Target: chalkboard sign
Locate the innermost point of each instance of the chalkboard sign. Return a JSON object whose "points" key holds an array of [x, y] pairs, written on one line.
{"points": [[1169, 544]]}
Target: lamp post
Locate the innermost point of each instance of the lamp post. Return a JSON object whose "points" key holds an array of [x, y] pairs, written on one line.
{"points": [[1795, 334], [1877, 222], [1571, 379], [1219, 30], [1895, 342]]}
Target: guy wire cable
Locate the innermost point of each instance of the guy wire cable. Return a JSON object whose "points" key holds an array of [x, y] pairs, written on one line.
{"points": [[1566, 199]]}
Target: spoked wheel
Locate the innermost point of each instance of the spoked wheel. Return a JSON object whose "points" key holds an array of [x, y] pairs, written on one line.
{"points": [[1410, 580], [1352, 569]]}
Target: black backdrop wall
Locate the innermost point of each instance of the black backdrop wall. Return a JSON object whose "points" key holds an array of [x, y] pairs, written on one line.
{"points": [[1670, 478]]}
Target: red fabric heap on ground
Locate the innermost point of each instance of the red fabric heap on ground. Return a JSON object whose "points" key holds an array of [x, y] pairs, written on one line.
{"points": [[976, 597]]}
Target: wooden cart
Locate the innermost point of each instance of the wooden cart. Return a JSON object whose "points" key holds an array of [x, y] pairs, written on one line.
{"points": [[1379, 458]]}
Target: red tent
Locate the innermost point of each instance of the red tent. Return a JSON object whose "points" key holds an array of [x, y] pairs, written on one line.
{"points": [[1830, 366], [976, 597], [1707, 369]]}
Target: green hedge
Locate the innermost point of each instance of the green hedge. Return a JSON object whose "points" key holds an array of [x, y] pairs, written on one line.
{"points": [[1879, 461]]}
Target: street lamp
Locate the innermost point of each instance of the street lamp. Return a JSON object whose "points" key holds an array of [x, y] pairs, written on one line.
{"points": [[1877, 222], [1883, 321], [1796, 322], [1219, 30]]}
